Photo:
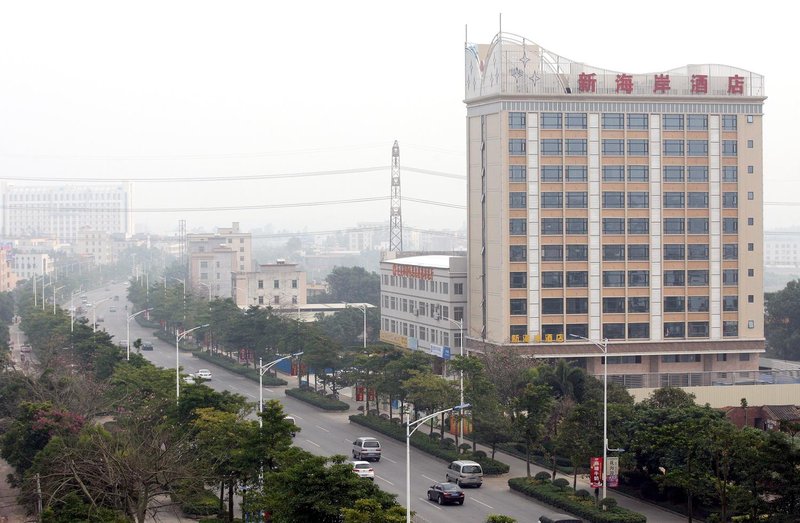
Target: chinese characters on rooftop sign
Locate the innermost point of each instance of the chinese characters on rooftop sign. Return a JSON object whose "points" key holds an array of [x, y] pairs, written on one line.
{"points": [[587, 83], [412, 271]]}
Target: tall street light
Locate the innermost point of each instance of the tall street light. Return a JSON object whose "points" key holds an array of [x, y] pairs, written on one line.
{"points": [[43, 286], [178, 338], [363, 308], [409, 431], [262, 369], [603, 346], [55, 289], [184, 294], [72, 310], [460, 324], [94, 316], [132, 316]]}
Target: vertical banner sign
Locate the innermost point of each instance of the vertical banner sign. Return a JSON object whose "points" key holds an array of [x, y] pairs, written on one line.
{"points": [[596, 472], [612, 469]]}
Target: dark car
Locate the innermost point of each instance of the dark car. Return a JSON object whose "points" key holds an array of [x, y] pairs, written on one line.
{"points": [[146, 345], [443, 493]]}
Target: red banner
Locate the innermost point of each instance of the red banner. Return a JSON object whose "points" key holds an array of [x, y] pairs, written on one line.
{"points": [[360, 393], [596, 472]]}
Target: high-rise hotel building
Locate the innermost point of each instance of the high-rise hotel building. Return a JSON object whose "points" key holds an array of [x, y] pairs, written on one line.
{"points": [[615, 205]]}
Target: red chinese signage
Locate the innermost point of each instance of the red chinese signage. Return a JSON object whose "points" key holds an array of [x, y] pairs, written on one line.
{"points": [[661, 83], [412, 271], [587, 83], [699, 84], [596, 472]]}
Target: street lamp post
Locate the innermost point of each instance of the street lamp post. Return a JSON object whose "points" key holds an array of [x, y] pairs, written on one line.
{"points": [[409, 431], [94, 316], [132, 316], [72, 310], [55, 289], [603, 346], [184, 294], [460, 324], [178, 338], [363, 308], [262, 369]]}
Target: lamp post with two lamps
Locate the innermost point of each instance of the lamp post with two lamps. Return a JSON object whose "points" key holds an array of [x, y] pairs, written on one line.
{"points": [[460, 324], [130, 317], [262, 369], [178, 338], [409, 431], [55, 289]]}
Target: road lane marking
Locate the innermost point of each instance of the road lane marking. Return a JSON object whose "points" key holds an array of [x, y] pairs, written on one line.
{"points": [[322, 428], [251, 395], [430, 479], [384, 479], [308, 440], [481, 502], [431, 503], [298, 417], [348, 441], [389, 460]]}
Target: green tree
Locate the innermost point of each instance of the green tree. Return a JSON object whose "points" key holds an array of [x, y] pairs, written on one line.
{"points": [[430, 393], [782, 322], [353, 285], [371, 511], [532, 410]]}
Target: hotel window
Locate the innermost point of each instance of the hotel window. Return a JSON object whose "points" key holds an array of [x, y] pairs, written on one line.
{"points": [[730, 251], [697, 225], [674, 278], [637, 148], [518, 280], [751, 195], [638, 252], [672, 122], [697, 277], [637, 121], [516, 173], [458, 313], [551, 147], [673, 173], [698, 329], [697, 304], [516, 146], [614, 331], [673, 147], [613, 278], [613, 252], [552, 253], [577, 225], [577, 200], [577, 252], [613, 173], [729, 122], [730, 225], [552, 330], [637, 331], [639, 304], [730, 303], [698, 251], [697, 173], [613, 147], [517, 253], [577, 173], [750, 169], [750, 221], [674, 200], [613, 200], [517, 226], [552, 200], [613, 121], [613, 225], [638, 173], [673, 329], [751, 272], [577, 278], [577, 305], [674, 303], [516, 120], [730, 276], [551, 173], [552, 226], [519, 331], [575, 147], [638, 278], [749, 144], [730, 148], [730, 328], [751, 247], [552, 306], [552, 279], [517, 200], [730, 200], [551, 120], [730, 173], [697, 122], [458, 288], [638, 226], [697, 148], [519, 307], [673, 225], [575, 120]]}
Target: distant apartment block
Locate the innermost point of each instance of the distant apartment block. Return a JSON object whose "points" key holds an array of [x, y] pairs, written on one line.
{"points": [[60, 212], [8, 278], [94, 245], [278, 285], [214, 258], [26, 265], [781, 250]]}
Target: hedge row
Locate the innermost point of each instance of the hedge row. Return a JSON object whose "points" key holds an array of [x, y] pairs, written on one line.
{"points": [[196, 502], [565, 499], [309, 396], [247, 372], [147, 324], [425, 443]]}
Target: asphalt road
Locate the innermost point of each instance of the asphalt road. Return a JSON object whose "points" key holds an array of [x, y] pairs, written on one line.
{"points": [[327, 434]]}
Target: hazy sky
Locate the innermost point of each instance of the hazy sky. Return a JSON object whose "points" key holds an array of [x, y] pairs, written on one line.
{"points": [[154, 90]]}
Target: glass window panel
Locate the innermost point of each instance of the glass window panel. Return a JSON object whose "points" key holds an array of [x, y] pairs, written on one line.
{"points": [[551, 173]]}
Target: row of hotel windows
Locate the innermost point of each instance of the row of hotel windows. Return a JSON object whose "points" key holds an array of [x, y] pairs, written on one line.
{"points": [[635, 304], [670, 358], [404, 282], [421, 332], [636, 200], [276, 284], [636, 278], [47, 198], [616, 173], [669, 122], [580, 226], [639, 252], [616, 147], [621, 331], [422, 308]]}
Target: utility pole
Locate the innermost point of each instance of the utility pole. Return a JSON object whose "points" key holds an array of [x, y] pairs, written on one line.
{"points": [[38, 497], [396, 218]]}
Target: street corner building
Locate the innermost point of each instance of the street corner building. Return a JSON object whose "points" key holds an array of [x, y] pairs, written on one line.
{"points": [[615, 205]]}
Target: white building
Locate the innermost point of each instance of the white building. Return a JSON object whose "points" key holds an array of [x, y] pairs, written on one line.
{"points": [[212, 271], [423, 303], [278, 285], [781, 250], [92, 244], [26, 265]]}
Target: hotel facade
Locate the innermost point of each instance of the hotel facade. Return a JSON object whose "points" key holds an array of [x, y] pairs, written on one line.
{"points": [[607, 205]]}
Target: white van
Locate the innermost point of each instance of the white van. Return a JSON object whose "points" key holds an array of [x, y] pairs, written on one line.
{"points": [[464, 472], [366, 448]]}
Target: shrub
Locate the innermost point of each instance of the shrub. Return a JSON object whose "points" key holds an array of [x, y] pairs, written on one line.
{"points": [[561, 483], [479, 453], [464, 447], [434, 436], [497, 518], [449, 443], [315, 399], [583, 494], [542, 476], [608, 503]]}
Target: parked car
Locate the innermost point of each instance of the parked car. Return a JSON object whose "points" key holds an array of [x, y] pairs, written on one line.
{"points": [[112, 309], [366, 448], [204, 374], [146, 345], [443, 493], [364, 470], [465, 472]]}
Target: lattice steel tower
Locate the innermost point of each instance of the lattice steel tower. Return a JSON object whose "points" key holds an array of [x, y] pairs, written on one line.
{"points": [[396, 217]]}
